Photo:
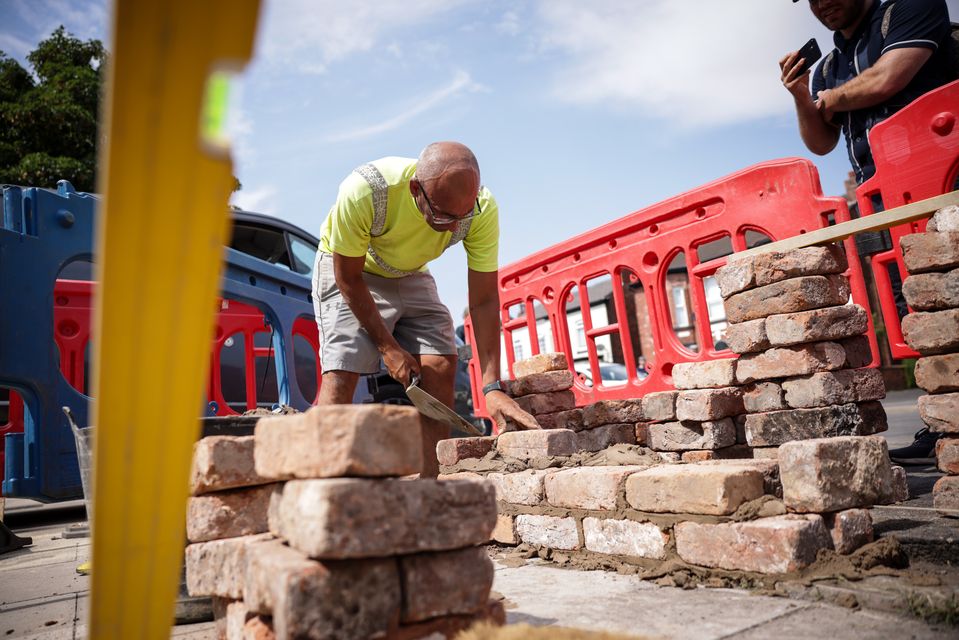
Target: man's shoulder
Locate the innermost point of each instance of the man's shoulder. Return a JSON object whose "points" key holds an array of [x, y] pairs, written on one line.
{"points": [[360, 182]]}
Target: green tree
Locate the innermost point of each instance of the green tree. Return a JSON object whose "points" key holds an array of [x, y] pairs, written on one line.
{"points": [[48, 119]]}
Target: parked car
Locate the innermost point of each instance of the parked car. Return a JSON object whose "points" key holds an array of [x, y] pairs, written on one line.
{"points": [[612, 373]]}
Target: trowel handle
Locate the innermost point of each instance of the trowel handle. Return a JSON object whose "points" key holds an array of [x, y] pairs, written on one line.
{"points": [[414, 380]]}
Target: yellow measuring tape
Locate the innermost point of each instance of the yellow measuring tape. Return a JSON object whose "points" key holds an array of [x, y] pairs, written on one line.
{"points": [[166, 177]]}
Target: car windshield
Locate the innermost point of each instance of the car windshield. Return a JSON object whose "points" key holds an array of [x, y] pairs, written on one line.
{"points": [[613, 372]]}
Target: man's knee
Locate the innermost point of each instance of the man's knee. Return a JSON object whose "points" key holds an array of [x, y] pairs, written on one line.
{"points": [[442, 366]]}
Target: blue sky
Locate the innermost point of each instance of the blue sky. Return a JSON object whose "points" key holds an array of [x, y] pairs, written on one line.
{"points": [[578, 112]]}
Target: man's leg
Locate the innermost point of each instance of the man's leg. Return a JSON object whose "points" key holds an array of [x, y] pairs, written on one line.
{"points": [[437, 375], [338, 387]]}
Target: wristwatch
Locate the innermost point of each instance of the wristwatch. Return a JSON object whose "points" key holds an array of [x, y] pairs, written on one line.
{"points": [[496, 385]]}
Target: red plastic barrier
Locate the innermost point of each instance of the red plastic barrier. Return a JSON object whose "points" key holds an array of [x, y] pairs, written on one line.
{"points": [[779, 199], [917, 157]]}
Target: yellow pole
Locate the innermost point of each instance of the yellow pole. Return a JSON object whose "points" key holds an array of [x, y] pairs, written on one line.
{"points": [[159, 250]]}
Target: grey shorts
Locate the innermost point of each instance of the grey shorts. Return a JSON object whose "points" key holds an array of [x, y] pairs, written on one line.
{"points": [[410, 307]]}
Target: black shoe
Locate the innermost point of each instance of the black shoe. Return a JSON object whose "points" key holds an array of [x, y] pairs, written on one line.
{"points": [[921, 451]]}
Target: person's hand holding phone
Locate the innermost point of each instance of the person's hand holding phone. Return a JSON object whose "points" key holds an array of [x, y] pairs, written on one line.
{"points": [[795, 69]]}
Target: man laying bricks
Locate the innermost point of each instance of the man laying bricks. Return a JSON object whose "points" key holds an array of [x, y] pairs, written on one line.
{"points": [[374, 297]]}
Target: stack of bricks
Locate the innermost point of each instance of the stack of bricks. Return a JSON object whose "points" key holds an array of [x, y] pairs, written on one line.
{"points": [[932, 329], [334, 538]]}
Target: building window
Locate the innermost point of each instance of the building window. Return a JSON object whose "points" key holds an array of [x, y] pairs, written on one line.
{"points": [[518, 350], [680, 310]]}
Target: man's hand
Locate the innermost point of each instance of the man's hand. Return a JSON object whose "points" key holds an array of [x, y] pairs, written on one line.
{"points": [[401, 365], [825, 104], [507, 413], [797, 85]]}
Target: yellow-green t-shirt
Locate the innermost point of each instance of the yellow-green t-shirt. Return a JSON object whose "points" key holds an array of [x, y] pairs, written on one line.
{"points": [[407, 242]]}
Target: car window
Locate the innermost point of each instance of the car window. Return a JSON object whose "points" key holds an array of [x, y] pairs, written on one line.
{"points": [[261, 242], [304, 255]]}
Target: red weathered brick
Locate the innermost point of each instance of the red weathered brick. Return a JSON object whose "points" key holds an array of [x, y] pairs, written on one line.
{"points": [[452, 450], [552, 402], [769, 468], [732, 452], [831, 323], [505, 530], [938, 374], [932, 291], [599, 438], [849, 529], [747, 337], [923, 252], [544, 382], [835, 387], [340, 440], [269, 565], [555, 361], [612, 412], [223, 462], [760, 397], [932, 332], [785, 362], [624, 538], [688, 436], [589, 487], [535, 444], [704, 375], [228, 514], [660, 405], [832, 474], [360, 518], [693, 488], [548, 531], [523, 487], [709, 404], [940, 412], [945, 495], [778, 427], [642, 433], [947, 455], [446, 583], [572, 420], [780, 544], [774, 266], [788, 296], [858, 352], [258, 628], [216, 568]]}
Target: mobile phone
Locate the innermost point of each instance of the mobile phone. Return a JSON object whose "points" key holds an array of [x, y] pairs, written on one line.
{"points": [[810, 54]]}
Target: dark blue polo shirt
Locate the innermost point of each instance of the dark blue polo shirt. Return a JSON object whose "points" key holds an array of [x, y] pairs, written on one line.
{"points": [[910, 23]]}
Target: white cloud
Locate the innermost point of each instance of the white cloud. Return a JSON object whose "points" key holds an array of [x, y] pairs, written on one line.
{"points": [[696, 63], [509, 24], [261, 199], [16, 48], [310, 34], [461, 82]]}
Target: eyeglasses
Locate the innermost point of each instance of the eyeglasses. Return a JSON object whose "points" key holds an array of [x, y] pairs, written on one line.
{"points": [[446, 218]]}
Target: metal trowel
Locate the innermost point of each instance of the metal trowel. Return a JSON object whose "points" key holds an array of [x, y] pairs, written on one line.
{"points": [[433, 408]]}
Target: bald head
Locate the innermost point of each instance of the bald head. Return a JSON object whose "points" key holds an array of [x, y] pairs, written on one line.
{"points": [[450, 172]]}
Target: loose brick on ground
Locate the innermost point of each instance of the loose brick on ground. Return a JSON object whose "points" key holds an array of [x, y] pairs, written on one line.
{"points": [[612, 412], [599, 438], [780, 544], [932, 332], [555, 361], [945, 495], [693, 488], [572, 420], [445, 583], [778, 427], [523, 487], [831, 323], [947, 454], [932, 291], [785, 362], [525, 445], [660, 405], [704, 375], [835, 387], [923, 252], [589, 487], [832, 474], [505, 530], [625, 538], [760, 397], [788, 296], [541, 383], [689, 436], [340, 440], [747, 337], [938, 374], [849, 529], [945, 219], [359, 518], [453, 450], [548, 531], [551, 402], [709, 404], [228, 514], [774, 266], [899, 491], [940, 412], [216, 568], [223, 462]]}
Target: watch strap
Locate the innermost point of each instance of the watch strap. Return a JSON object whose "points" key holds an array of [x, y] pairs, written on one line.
{"points": [[496, 385]]}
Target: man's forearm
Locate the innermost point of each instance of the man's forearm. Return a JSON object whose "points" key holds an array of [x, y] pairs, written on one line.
{"points": [[486, 331], [819, 136]]}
